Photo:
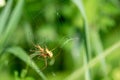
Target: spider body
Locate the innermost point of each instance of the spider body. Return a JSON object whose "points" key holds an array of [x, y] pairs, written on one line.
{"points": [[43, 52]]}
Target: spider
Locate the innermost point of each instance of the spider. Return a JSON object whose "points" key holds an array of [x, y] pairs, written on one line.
{"points": [[46, 53], [43, 52]]}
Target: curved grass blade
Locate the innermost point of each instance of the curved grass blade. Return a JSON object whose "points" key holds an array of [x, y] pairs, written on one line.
{"points": [[20, 53], [76, 74]]}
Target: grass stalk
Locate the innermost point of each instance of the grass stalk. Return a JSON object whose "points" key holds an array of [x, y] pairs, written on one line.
{"points": [[80, 6]]}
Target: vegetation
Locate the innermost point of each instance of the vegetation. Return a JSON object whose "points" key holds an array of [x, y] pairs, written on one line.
{"points": [[83, 36]]}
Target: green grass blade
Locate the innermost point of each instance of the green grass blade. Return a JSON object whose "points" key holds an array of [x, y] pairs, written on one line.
{"points": [[14, 19], [80, 6], [86, 28], [98, 48], [87, 73], [4, 15], [76, 74], [20, 53]]}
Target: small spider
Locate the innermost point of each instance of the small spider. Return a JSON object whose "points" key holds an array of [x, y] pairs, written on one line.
{"points": [[46, 53], [43, 52]]}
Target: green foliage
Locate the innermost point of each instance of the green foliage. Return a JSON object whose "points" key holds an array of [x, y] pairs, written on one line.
{"points": [[7, 32], [23, 56], [82, 34]]}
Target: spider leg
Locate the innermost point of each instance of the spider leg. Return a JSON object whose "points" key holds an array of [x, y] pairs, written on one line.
{"points": [[34, 55], [35, 51], [32, 50], [36, 46]]}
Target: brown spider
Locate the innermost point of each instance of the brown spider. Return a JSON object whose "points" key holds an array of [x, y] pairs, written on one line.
{"points": [[43, 52], [46, 53]]}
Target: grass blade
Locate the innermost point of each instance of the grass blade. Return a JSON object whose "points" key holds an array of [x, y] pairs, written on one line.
{"points": [[4, 15], [14, 19], [98, 48], [86, 28], [87, 73], [80, 6], [76, 74], [20, 53]]}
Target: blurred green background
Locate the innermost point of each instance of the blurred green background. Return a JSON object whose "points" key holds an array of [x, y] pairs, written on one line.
{"points": [[83, 33]]}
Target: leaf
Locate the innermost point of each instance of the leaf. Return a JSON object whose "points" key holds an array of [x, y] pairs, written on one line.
{"points": [[20, 53]]}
